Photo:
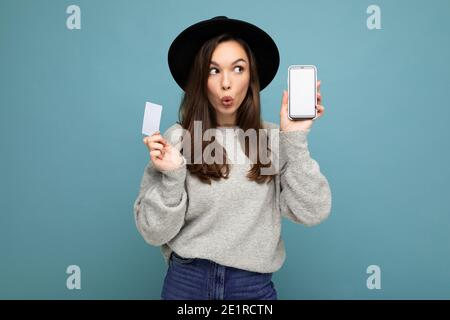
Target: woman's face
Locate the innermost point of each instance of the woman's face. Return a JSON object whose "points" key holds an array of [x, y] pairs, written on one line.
{"points": [[229, 75]]}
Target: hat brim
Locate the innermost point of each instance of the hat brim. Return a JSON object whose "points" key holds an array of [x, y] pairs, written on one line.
{"points": [[186, 45]]}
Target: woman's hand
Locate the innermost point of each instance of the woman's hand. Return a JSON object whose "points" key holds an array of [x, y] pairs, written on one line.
{"points": [[287, 124], [163, 155]]}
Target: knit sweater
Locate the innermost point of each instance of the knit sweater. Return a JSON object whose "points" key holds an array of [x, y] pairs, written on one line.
{"points": [[235, 222]]}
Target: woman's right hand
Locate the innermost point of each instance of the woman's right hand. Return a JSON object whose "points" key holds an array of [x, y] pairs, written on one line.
{"points": [[164, 156]]}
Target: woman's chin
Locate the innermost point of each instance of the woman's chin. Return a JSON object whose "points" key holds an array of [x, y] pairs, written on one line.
{"points": [[228, 109]]}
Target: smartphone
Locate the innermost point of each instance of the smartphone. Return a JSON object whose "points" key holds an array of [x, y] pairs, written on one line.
{"points": [[302, 80]]}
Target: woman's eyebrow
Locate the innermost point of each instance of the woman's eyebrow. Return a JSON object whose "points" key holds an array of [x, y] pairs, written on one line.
{"points": [[240, 59]]}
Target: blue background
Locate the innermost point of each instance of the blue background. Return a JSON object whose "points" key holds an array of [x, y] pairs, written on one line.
{"points": [[72, 157]]}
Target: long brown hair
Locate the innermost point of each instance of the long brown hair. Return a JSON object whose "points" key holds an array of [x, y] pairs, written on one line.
{"points": [[195, 106]]}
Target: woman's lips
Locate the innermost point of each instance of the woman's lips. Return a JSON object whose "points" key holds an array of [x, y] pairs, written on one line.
{"points": [[227, 101]]}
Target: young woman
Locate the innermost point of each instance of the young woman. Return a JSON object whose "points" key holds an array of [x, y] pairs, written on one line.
{"points": [[219, 224]]}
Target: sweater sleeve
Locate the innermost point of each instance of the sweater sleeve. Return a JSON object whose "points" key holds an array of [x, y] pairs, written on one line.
{"points": [[160, 207], [305, 195]]}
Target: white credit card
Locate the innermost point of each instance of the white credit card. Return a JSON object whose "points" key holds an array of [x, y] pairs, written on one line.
{"points": [[152, 118]]}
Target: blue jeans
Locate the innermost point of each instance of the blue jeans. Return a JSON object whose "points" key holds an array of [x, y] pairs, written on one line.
{"points": [[202, 279]]}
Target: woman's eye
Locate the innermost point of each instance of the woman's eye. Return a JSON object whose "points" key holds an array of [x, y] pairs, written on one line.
{"points": [[211, 69]]}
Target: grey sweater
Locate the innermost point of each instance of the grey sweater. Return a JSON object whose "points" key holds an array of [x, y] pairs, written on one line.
{"points": [[235, 222]]}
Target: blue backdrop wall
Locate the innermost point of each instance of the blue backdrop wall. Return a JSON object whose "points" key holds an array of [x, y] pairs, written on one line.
{"points": [[72, 102]]}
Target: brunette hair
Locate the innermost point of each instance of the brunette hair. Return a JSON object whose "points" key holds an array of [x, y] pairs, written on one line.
{"points": [[195, 106]]}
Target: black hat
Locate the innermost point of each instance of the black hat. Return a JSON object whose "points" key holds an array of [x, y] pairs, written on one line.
{"points": [[184, 48]]}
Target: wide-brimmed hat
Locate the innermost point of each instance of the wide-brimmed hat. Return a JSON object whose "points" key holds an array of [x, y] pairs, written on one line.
{"points": [[186, 45]]}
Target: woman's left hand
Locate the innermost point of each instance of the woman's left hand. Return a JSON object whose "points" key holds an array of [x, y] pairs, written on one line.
{"points": [[287, 124]]}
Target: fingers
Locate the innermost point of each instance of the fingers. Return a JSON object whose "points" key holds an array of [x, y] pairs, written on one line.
{"points": [[156, 154], [320, 111], [156, 144], [284, 103], [155, 137], [319, 96]]}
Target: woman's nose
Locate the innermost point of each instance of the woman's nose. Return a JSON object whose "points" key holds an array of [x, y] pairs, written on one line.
{"points": [[225, 83]]}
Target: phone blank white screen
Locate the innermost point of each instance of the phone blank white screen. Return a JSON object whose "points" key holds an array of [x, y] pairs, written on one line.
{"points": [[302, 89]]}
